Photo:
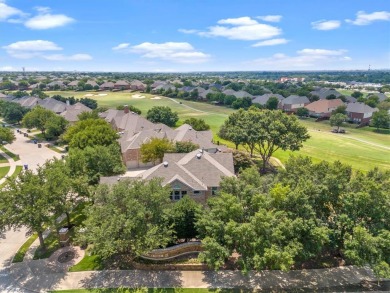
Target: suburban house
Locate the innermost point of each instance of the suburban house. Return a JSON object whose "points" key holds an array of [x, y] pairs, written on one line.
{"points": [[262, 100], [380, 96], [92, 83], [137, 85], [163, 87], [107, 86], [56, 84], [136, 130], [322, 93], [48, 103], [122, 85], [323, 108], [73, 84], [292, 103], [196, 174], [360, 113], [157, 83], [237, 94], [72, 111]]}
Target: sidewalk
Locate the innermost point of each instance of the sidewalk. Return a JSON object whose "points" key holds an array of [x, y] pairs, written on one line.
{"points": [[38, 276], [11, 163]]}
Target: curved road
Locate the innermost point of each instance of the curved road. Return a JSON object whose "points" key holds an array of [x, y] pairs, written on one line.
{"points": [[11, 240]]}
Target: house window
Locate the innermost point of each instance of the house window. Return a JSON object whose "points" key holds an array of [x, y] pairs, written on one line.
{"points": [[196, 192], [177, 195], [214, 190], [183, 193]]}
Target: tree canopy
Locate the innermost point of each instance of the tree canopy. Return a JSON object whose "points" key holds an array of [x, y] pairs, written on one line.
{"points": [[90, 132], [381, 119], [197, 124], [337, 119], [7, 135], [162, 114], [155, 148], [128, 218], [37, 118]]}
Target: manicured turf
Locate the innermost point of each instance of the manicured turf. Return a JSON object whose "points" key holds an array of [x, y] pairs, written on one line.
{"points": [[323, 145], [12, 155], [3, 160], [4, 171], [19, 256], [88, 263]]}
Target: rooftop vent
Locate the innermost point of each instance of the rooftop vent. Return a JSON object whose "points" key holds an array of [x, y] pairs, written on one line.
{"points": [[165, 164], [198, 156], [200, 151]]}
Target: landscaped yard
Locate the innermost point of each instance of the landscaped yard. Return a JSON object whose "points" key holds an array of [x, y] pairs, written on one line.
{"points": [[4, 171], [362, 148]]}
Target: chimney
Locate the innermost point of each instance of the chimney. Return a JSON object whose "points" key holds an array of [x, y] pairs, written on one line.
{"points": [[126, 109], [67, 104]]}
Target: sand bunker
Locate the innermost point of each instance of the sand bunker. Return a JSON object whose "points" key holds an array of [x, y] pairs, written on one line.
{"points": [[101, 95], [156, 98], [138, 97], [88, 95]]}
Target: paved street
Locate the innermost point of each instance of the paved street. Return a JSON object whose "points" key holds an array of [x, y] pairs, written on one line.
{"points": [[11, 240]]}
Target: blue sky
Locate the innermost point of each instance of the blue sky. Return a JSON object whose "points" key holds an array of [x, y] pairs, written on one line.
{"points": [[189, 35]]}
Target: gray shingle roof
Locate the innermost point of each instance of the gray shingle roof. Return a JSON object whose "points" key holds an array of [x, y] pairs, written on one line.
{"points": [[360, 108], [71, 112], [262, 100], [291, 100]]}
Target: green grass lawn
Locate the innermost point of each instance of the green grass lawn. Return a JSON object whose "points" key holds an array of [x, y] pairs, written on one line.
{"points": [[323, 145], [4, 171], [12, 155], [3, 160], [88, 263], [19, 256]]}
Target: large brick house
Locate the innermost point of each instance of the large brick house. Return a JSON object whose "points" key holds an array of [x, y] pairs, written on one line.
{"points": [[359, 113], [293, 103], [196, 174], [136, 130], [323, 108]]}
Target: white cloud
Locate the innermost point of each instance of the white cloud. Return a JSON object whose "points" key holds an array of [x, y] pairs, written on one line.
{"points": [[171, 51], [245, 20], [241, 28], [270, 18], [8, 68], [121, 46], [7, 11], [38, 48], [306, 59], [325, 25], [185, 31], [321, 52], [271, 42], [46, 20], [61, 57], [35, 45], [363, 18]]}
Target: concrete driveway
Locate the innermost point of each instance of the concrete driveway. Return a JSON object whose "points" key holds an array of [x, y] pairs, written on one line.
{"points": [[11, 240]]}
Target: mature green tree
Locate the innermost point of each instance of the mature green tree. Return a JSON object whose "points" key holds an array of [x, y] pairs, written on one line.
{"points": [[276, 130], [162, 114], [331, 97], [182, 216], [88, 115], [232, 128], [128, 218], [302, 112], [197, 124], [37, 118], [13, 112], [90, 103], [29, 201], [131, 109], [337, 119], [90, 132], [55, 126], [185, 147], [272, 103], [340, 109], [357, 94], [7, 135], [95, 161], [68, 189], [241, 161], [155, 148], [380, 119]]}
